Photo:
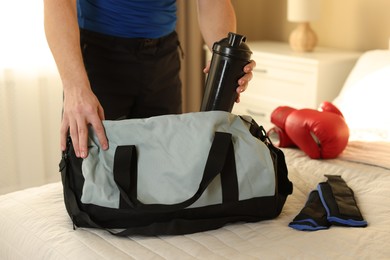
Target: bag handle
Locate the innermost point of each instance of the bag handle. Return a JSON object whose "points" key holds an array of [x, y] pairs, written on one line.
{"points": [[220, 160]]}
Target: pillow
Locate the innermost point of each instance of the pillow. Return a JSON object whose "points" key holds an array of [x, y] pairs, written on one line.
{"points": [[364, 99]]}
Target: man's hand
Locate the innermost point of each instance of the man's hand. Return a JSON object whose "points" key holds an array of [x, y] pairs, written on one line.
{"points": [[242, 82], [81, 110], [81, 107]]}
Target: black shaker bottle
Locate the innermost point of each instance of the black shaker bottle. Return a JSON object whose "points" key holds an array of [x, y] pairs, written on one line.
{"points": [[230, 55]]}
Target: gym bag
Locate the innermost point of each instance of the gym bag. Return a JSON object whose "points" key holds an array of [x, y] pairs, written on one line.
{"points": [[175, 174]]}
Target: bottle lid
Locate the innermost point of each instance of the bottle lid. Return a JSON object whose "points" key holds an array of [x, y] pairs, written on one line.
{"points": [[234, 45]]}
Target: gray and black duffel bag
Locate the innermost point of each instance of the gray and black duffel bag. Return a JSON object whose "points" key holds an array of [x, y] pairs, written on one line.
{"points": [[175, 174]]}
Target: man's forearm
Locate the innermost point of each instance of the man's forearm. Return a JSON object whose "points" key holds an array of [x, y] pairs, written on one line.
{"points": [[62, 34], [216, 19]]}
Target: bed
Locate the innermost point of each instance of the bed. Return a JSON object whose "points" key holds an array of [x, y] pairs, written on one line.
{"points": [[34, 223]]}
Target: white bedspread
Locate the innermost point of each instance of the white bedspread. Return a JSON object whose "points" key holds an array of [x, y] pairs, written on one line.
{"points": [[35, 225]]}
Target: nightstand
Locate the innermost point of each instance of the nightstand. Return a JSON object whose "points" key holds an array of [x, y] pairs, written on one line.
{"points": [[286, 78]]}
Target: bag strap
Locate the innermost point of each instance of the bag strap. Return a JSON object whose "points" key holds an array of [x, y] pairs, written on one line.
{"points": [[182, 226], [70, 198], [220, 160], [284, 186]]}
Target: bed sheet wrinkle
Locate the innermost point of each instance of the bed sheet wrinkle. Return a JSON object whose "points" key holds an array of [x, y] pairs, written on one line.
{"points": [[9, 250], [210, 240], [189, 245], [239, 237], [246, 233], [161, 247], [380, 246], [233, 234], [131, 247], [103, 247], [35, 247], [330, 243], [259, 246], [35, 231], [355, 239]]}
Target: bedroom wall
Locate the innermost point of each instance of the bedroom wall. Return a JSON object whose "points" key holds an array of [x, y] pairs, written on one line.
{"points": [[348, 24]]}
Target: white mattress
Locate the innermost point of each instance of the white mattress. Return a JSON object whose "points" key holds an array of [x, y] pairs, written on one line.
{"points": [[35, 225]]}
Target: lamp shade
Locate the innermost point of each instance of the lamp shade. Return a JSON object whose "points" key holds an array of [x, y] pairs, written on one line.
{"points": [[303, 10]]}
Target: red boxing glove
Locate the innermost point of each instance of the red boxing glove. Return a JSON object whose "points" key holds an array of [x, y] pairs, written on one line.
{"points": [[319, 134], [277, 134], [329, 107], [279, 137]]}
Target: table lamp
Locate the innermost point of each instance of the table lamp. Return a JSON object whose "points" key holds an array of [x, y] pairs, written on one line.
{"points": [[303, 38]]}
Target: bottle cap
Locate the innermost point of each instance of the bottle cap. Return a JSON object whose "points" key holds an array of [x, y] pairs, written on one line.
{"points": [[234, 45]]}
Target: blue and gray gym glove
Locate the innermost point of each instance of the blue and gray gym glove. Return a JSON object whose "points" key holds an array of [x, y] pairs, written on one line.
{"points": [[333, 203], [313, 215]]}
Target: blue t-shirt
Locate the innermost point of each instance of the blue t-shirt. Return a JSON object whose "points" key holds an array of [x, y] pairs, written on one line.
{"points": [[128, 18]]}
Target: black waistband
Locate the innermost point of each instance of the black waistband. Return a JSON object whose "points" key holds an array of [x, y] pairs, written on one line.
{"points": [[135, 42]]}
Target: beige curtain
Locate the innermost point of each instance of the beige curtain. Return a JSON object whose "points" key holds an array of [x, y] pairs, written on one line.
{"points": [[193, 62], [30, 99], [30, 115]]}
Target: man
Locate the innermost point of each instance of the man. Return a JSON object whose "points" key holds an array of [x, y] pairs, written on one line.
{"points": [[119, 59]]}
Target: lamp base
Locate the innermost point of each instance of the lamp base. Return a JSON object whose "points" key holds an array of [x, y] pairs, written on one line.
{"points": [[303, 38]]}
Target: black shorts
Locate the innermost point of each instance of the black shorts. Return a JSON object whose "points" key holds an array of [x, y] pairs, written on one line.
{"points": [[133, 78]]}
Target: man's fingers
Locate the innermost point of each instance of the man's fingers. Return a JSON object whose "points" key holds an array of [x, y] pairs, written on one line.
{"points": [[207, 68], [74, 134], [250, 66], [238, 98], [243, 82], [100, 133], [82, 131], [64, 133], [99, 128], [79, 134]]}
